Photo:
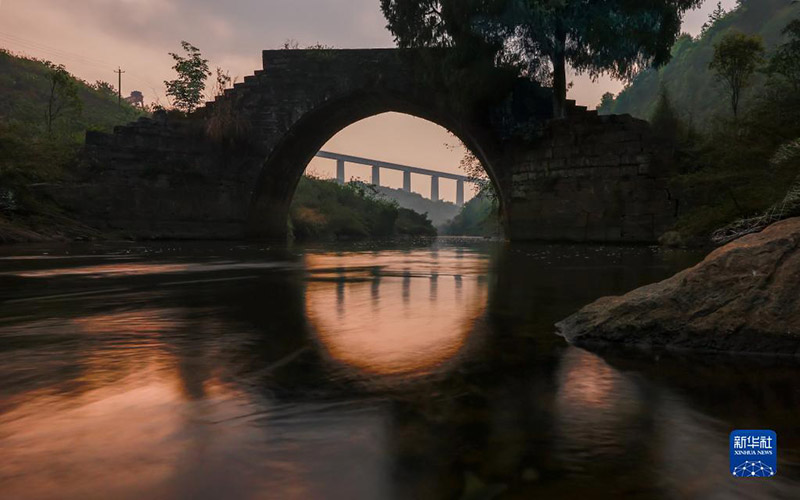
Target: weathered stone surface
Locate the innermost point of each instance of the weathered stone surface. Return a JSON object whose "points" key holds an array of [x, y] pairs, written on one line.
{"points": [[744, 297], [608, 185]]}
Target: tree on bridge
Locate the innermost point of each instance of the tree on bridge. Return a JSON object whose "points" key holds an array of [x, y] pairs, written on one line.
{"points": [[616, 37], [187, 90]]}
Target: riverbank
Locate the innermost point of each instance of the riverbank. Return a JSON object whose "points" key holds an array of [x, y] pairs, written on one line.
{"points": [[46, 228]]}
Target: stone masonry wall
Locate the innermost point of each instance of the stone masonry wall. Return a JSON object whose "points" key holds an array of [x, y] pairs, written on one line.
{"points": [[592, 178], [160, 179]]}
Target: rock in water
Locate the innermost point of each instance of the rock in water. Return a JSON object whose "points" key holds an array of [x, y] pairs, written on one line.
{"points": [[744, 297]]}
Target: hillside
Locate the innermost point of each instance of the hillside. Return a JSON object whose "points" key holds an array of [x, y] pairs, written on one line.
{"points": [[24, 92], [691, 86], [731, 172], [30, 154], [439, 212]]}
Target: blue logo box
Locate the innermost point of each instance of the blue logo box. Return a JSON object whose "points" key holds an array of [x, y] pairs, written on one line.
{"points": [[754, 453]]}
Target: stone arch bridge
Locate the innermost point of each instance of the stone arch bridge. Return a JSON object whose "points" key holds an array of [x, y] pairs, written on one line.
{"points": [[230, 169]]}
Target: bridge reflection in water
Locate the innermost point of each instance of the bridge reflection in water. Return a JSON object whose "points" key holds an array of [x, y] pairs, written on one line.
{"points": [[388, 319], [245, 377]]}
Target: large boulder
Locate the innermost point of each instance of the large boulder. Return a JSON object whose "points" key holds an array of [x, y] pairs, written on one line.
{"points": [[744, 297]]}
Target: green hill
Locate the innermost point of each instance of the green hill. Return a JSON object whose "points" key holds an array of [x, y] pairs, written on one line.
{"points": [[24, 94], [694, 93], [439, 212]]}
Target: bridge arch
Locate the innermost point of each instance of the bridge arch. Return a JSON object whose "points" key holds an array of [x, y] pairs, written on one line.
{"points": [[317, 123]]}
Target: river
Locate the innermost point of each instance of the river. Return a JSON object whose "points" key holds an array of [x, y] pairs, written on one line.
{"points": [[361, 371]]}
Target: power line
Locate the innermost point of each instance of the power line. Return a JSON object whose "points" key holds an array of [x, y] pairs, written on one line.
{"points": [[51, 50]]}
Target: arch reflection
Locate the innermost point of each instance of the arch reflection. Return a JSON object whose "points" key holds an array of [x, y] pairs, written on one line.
{"points": [[389, 321]]}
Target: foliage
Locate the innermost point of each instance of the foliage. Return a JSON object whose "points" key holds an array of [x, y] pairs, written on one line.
{"points": [[24, 96], [226, 126], [222, 81], [26, 159], [479, 217], [718, 13], [618, 37], [411, 223], [458, 24], [787, 154], [62, 98], [606, 101], [665, 121], [105, 88], [741, 170], [187, 90], [785, 61], [736, 58], [292, 44], [474, 71], [694, 92], [788, 207], [325, 210]]}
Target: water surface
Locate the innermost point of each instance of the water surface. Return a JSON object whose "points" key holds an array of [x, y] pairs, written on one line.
{"points": [[374, 371]]}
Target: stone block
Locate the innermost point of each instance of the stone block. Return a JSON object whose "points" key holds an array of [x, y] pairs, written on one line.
{"points": [[562, 152], [609, 160], [614, 233], [577, 162], [564, 140], [631, 147], [622, 136]]}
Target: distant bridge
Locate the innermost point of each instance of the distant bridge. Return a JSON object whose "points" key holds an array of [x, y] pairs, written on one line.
{"points": [[377, 165]]}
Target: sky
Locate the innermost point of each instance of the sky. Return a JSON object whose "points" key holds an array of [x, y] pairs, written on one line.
{"points": [[95, 37]]}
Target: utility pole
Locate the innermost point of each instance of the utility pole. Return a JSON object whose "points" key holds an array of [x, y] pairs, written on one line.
{"points": [[119, 88]]}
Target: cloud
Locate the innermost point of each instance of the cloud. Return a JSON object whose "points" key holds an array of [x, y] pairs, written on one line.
{"points": [[229, 26], [138, 34]]}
